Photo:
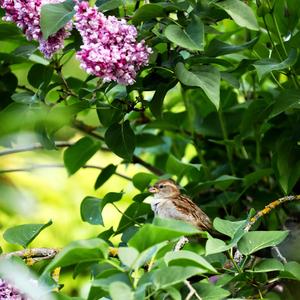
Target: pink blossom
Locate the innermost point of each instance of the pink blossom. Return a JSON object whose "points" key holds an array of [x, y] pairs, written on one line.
{"points": [[7, 291], [109, 49], [26, 15]]}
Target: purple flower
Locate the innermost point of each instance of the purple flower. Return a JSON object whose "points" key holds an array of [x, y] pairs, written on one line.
{"points": [[26, 15], [8, 292], [109, 49]]}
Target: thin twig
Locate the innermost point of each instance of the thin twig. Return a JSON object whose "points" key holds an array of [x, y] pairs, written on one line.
{"points": [[33, 147], [36, 254], [279, 254], [192, 292], [181, 242], [268, 208], [34, 167]]}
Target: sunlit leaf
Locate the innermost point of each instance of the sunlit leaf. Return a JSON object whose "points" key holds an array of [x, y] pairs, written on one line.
{"points": [[161, 231], [188, 258], [104, 175], [78, 154], [191, 37], [55, 16], [240, 12], [77, 252], [205, 77], [265, 66], [255, 240], [24, 234], [268, 265], [147, 12], [120, 291]]}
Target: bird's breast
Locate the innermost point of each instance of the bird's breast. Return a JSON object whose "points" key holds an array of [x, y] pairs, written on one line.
{"points": [[164, 208]]}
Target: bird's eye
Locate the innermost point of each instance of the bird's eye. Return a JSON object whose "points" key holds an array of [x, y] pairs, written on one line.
{"points": [[161, 186]]}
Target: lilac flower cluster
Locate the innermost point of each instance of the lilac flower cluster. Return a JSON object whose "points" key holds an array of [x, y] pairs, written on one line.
{"points": [[26, 14], [109, 49], [8, 292]]}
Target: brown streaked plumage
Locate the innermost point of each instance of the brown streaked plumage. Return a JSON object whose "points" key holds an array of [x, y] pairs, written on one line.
{"points": [[169, 203]]}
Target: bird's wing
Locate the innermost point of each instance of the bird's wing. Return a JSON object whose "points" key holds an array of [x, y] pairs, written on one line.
{"points": [[188, 207]]}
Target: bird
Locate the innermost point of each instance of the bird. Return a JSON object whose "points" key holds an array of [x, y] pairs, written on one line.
{"points": [[168, 202]]}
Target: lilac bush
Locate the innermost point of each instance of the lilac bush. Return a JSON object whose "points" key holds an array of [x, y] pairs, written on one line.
{"points": [[110, 49], [26, 15]]}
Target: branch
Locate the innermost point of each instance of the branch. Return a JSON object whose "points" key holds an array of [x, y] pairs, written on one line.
{"points": [[151, 168], [268, 208], [192, 291], [32, 255], [33, 147], [34, 167]]}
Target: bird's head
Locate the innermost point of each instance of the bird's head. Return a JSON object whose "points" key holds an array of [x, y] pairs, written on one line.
{"points": [[165, 188]]}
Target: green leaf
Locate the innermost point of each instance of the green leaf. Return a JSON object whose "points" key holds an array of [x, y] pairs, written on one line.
{"points": [[168, 276], [55, 16], [110, 114], [25, 98], [147, 140], [104, 175], [24, 234], [224, 181], [266, 66], [188, 258], [120, 291], [90, 211], [191, 37], [137, 212], [173, 293], [228, 227], [59, 296], [78, 154], [287, 99], [162, 231], [209, 291], [91, 207], [215, 246], [217, 47], [255, 240], [128, 256], [107, 5], [291, 271], [256, 176], [156, 104], [120, 139], [142, 180], [240, 12], [148, 12], [268, 265], [78, 252], [39, 76], [205, 77], [179, 168], [287, 163]]}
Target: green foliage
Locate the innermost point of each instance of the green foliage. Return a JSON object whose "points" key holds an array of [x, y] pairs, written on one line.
{"points": [[216, 109], [24, 234]]}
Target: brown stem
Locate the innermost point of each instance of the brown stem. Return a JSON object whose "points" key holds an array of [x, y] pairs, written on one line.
{"points": [[33, 147], [34, 167], [268, 208], [33, 255]]}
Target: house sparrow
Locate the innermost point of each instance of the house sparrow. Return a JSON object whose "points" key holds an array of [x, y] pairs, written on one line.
{"points": [[169, 203]]}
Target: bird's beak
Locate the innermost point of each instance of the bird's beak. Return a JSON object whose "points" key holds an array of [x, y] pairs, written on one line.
{"points": [[153, 189]]}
